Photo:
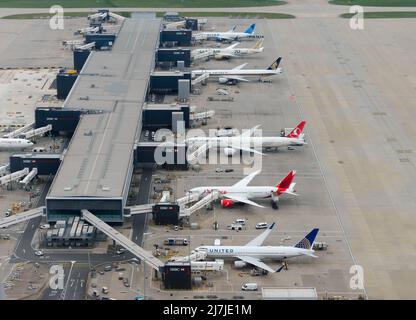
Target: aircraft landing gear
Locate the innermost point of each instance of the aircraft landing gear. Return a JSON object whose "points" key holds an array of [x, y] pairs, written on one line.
{"points": [[275, 205]]}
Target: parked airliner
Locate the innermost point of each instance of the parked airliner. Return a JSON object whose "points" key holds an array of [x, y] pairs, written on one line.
{"points": [[253, 253], [13, 143], [237, 74], [240, 192]]}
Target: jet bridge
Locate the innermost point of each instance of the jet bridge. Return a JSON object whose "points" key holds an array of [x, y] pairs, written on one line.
{"points": [[15, 176], [190, 197], [200, 79], [19, 131], [4, 168], [126, 243], [32, 174], [85, 46], [37, 132], [186, 212], [27, 215], [202, 115]]}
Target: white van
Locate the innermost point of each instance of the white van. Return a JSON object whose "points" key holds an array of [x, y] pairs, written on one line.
{"points": [[240, 221], [249, 287], [261, 225]]}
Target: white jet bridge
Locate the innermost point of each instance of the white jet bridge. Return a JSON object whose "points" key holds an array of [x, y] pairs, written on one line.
{"points": [[32, 174], [126, 243], [202, 115], [85, 46], [4, 168], [17, 218], [15, 176], [201, 78], [37, 132], [19, 131], [184, 211]]}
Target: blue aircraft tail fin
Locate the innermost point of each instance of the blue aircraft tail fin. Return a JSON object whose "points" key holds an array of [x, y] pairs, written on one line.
{"points": [[307, 242], [250, 29]]}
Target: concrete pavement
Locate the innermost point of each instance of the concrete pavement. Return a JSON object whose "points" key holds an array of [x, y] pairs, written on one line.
{"points": [[299, 8]]}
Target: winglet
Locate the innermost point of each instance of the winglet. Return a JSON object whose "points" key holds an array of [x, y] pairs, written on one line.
{"points": [[295, 133], [272, 226], [280, 268], [307, 242]]}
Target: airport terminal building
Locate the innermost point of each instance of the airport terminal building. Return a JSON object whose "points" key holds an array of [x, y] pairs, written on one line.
{"points": [[112, 86]]}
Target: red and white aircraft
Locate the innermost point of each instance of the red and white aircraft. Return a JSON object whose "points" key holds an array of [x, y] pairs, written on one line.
{"points": [[241, 192], [245, 142]]}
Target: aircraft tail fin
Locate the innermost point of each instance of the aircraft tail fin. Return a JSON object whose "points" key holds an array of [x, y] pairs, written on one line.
{"points": [[275, 64], [259, 44], [296, 132], [250, 29], [286, 181], [307, 242]]}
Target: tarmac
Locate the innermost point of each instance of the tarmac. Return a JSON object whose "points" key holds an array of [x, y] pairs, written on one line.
{"points": [[355, 178], [356, 90]]}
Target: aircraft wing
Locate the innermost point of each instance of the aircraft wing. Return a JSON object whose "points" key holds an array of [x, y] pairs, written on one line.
{"points": [[227, 55], [258, 241], [246, 180], [223, 37], [199, 151], [256, 262], [248, 150], [232, 29], [236, 78], [242, 199], [241, 66], [233, 45], [249, 133]]}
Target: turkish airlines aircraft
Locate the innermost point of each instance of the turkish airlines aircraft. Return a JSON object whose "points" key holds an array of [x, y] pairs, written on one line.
{"points": [[245, 142], [227, 53], [254, 252], [12, 144], [241, 192], [229, 35], [237, 74]]}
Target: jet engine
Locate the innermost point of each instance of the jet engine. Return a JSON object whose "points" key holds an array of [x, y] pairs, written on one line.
{"points": [[218, 57], [223, 80], [229, 151], [239, 264], [226, 203]]}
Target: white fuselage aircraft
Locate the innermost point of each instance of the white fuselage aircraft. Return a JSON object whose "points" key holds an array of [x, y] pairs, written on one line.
{"points": [[245, 142], [227, 53], [229, 35], [242, 193], [232, 76], [254, 252], [13, 144]]}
